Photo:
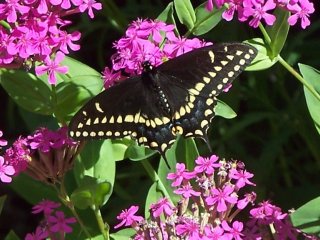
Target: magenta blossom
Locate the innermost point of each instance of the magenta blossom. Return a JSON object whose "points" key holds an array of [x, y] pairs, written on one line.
{"points": [[18, 155], [242, 177], [6, 171], [162, 206], [51, 67], [109, 77], [258, 11], [2, 141], [45, 139], [180, 175], [207, 165], [90, 5], [59, 223], [234, 232], [39, 234], [186, 191], [45, 206], [188, 229], [128, 217], [210, 212], [220, 197], [301, 10]]}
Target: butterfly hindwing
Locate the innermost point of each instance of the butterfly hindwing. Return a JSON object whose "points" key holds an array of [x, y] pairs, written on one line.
{"points": [[196, 78]]}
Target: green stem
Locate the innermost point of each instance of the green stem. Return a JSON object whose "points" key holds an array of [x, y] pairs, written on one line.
{"points": [[5, 24], [104, 227], [155, 178], [66, 201], [288, 67], [299, 77]]}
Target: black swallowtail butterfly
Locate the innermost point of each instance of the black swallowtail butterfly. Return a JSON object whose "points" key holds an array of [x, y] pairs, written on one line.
{"points": [[177, 97]]}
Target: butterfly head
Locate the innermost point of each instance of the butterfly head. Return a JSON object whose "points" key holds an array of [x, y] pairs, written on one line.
{"points": [[147, 66]]}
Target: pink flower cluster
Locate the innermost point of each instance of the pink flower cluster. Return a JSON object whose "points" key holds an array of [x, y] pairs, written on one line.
{"points": [[256, 10], [55, 223], [150, 41], [17, 157], [34, 31], [211, 198]]}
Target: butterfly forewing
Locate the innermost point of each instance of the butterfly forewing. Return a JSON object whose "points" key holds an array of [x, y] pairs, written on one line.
{"points": [[127, 109], [178, 97]]}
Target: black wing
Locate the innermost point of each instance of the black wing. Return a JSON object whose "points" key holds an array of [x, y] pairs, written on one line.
{"points": [[196, 78], [189, 83], [126, 109]]}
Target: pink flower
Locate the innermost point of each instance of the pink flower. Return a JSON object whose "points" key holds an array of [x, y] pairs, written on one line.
{"points": [[128, 218], [242, 177], [65, 40], [180, 175], [109, 77], [302, 11], [153, 28], [211, 233], [18, 155], [257, 9], [21, 42], [234, 232], [186, 191], [90, 5], [162, 206], [45, 139], [5, 171], [45, 206], [2, 141], [12, 8], [51, 67], [234, 6], [39, 234], [206, 165], [220, 197], [59, 223], [248, 198], [180, 46], [189, 230], [267, 212]]}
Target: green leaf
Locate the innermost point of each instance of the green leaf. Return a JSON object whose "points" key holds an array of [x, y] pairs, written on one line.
{"points": [[206, 20], [307, 217], [12, 236], [123, 234], [92, 193], [28, 91], [278, 32], [32, 190], [262, 60], [167, 14], [138, 153], [312, 76], [97, 160], [185, 12], [2, 200], [73, 93], [75, 88], [224, 110], [77, 69]]}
